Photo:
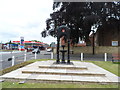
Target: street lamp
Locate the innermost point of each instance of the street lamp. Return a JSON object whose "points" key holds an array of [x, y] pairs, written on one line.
{"points": [[10, 45]]}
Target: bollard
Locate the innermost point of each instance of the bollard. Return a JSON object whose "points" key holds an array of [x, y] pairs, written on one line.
{"points": [[35, 55], [25, 58], [105, 57], [51, 55], [13, 60], [81, 56]]}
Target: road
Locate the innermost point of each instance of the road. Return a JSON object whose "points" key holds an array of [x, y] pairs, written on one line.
{"points": [[19, 57]]}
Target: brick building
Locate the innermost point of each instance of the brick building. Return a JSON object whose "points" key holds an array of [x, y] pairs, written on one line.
{"points": [[107, 35]]}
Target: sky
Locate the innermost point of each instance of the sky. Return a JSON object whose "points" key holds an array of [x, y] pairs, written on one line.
{"points": [[24, 18]]}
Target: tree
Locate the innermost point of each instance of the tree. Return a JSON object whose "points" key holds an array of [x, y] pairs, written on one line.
{"points": [[80, 17], [35, 41]]}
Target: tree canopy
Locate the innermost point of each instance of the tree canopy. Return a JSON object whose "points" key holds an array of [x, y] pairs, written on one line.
{"points": [[35, 41], [81, 18]]}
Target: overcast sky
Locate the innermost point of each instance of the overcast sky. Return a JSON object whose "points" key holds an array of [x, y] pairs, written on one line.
{"points": [[24, 18]]}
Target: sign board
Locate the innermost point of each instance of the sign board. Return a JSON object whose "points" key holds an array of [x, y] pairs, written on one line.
{"points": [[63, 31], [21, 47], [114, 43]]}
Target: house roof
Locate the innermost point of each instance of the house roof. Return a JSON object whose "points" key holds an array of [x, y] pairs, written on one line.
{"points": [[28, 42]]}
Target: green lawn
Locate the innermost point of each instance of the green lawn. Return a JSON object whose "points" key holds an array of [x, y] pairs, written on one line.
{"points": [[55, 85], [112, 67]]}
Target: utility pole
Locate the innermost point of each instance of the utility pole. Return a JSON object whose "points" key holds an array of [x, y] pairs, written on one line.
{"points": [[93, 44]]}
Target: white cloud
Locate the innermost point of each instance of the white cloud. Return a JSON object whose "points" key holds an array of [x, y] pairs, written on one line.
{"points": [[24, 18]]}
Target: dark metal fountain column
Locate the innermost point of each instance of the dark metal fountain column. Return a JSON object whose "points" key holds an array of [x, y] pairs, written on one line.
{"points": [[68, 51], [63, 54], [58, 59]]}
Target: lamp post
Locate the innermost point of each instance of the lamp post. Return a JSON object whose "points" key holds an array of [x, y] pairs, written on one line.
{"points": [[10, 45], [93, 43]]}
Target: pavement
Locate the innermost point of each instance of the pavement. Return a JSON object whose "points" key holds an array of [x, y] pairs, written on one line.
{"points": [[48, 71]]}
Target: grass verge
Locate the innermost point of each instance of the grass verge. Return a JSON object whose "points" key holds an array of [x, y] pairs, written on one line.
{"points": [[109, 66], [55, 85]]}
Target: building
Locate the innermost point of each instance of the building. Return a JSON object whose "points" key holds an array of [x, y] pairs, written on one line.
{"points": [[106, 36], [32, 44]]}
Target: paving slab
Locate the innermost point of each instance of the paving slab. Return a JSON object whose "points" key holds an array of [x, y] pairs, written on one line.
{"points": [[84, 79], [48, 77], [63, 72], [66, 78]]}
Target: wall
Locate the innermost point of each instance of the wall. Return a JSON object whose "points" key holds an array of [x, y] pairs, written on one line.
{"points": [[106, 34], [98, 49]]}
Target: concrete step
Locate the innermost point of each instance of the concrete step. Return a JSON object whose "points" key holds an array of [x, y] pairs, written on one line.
{"points": [[71, 67], [36, 78], [63, 72]]}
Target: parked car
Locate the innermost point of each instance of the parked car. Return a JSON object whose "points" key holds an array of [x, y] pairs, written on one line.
{"points": [[36, 51], [49, 50], [29, 49]]}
